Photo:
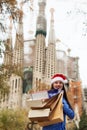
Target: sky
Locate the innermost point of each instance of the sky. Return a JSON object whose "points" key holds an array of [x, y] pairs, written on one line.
{"points": [[70, 23], [70, 18]]}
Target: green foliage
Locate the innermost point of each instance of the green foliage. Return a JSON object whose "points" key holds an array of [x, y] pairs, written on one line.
{"points": [[83, 121], [13, 119]]}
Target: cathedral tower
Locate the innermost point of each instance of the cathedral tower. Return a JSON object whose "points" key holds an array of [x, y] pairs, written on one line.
{"points": [[8, 48], [51, 51], [39, 66], [19, 44]]}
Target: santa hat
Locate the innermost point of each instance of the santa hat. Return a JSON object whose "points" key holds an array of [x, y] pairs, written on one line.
{"points": [[58, 77]]}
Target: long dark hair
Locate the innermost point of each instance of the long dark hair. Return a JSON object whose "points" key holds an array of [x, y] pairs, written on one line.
{"points": [[64, 95]]}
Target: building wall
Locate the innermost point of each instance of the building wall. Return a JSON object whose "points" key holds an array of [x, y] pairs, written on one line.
{"points": [[14, 98], [72, 68], [15, 95], [75, 95]]}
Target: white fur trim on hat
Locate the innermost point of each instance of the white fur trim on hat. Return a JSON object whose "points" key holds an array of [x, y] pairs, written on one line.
{"points": [[57, 79], [65, 81]]}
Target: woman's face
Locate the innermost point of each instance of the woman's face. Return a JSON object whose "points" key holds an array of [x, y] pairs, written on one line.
{"points": [[58, 85]]}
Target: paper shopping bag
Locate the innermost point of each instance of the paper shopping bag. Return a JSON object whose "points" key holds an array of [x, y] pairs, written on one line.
{"points": [[48, 103], [44, 113], [35, 99], [41, 113], [56, 115]]}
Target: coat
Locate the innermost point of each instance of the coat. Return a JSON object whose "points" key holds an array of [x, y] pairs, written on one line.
{"points": [[67, 110]]}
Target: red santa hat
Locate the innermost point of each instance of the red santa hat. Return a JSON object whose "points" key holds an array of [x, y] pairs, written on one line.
{"points": [[58, 77]]}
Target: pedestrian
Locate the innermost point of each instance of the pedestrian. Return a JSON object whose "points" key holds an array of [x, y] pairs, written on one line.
{"points": [[58, 85]]}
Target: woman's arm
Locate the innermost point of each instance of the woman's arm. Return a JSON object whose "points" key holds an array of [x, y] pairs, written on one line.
{"points": [[68, 110]]}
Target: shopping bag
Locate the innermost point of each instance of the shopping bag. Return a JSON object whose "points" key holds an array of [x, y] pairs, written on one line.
{"points": [[45, 113], [39, 114], [48, 103], [56, 114], [35, 99]]}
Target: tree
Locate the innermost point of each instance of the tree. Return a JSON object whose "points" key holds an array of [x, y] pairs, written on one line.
{"points": [[4, 87], [9, 8], [83, 121], [13, 119]]}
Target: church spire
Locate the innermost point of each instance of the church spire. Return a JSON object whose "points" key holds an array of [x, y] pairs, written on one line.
{"points": [[51, 38], [41, 20], [39, 64], [51, 60], [19, 42], [8, 46]]}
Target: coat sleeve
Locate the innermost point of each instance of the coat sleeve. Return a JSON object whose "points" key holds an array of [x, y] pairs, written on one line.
{"points": [[68, 110]]}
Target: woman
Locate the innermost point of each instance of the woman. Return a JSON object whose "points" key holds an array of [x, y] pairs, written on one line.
{"points": [[57, 85]]}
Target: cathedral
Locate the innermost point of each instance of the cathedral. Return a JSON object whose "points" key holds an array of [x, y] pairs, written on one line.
{"points": [[47, 60]]}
